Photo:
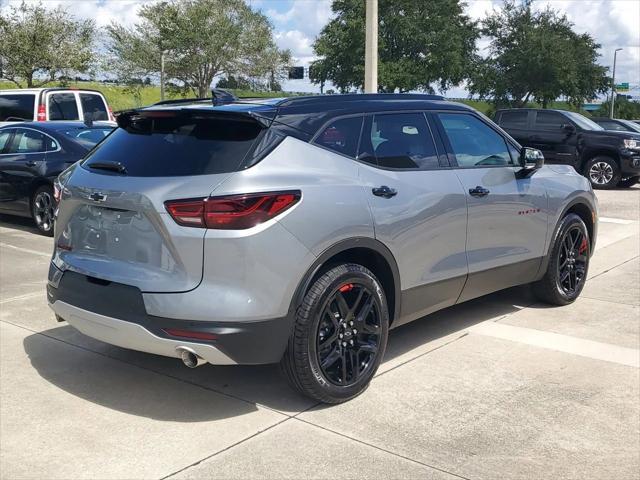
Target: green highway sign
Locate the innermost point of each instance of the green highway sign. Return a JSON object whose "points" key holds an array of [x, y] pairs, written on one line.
{"points": [[622, 87]]}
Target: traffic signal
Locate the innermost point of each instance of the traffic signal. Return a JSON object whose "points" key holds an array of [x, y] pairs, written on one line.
{"points": [[296, 73]]}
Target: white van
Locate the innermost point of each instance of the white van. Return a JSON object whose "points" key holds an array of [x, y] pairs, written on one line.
{"points": [[50, 104]]}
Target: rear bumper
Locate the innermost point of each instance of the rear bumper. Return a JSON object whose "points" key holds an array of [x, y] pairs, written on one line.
{"points": [[115, 313]]}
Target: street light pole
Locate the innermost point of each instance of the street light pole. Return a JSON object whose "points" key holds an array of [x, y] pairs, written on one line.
{"points": [[613, 82], [371, 47], [162, 75]]}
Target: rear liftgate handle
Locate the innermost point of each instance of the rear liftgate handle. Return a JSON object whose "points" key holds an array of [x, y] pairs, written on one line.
{"points": [[479, 191], [384, 191]]}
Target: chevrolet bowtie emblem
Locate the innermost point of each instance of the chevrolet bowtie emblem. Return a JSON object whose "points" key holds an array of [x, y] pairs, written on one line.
{"points": [[98, 197]]}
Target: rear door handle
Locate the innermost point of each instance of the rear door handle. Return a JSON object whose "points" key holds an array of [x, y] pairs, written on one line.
{"points": [[31, 163], [479, 191], [384, 191]]}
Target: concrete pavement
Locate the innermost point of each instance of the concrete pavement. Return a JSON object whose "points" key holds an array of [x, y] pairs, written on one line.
{"points": [[500, 387]]}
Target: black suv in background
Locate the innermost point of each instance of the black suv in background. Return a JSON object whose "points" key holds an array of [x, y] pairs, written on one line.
{"points": [[607, 158]]}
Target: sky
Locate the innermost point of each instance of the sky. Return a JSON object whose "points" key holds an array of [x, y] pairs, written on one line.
{"points": [[613, 24]]}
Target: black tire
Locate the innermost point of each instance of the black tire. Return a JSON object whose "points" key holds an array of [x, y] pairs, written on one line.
{"points": [[603, 172], [552, 288], [307, 363], [628, 182], [42, 209]]}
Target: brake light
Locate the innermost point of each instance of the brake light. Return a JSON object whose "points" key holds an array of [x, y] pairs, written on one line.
{"points": [[233, 212], [42, 113], [111, 115]]}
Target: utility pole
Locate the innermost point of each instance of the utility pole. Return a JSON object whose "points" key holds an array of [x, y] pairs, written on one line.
{"points": [[371, 47], [613, 82], [162, 75]]}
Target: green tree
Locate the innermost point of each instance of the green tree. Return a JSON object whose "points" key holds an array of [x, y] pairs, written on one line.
{"points": [[202, 40], [37, 45], [420, 43], [624, 108], [536, 56]]}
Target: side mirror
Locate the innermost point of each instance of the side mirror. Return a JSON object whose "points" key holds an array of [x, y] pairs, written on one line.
{"points": [[567, 127], [531, 159]]}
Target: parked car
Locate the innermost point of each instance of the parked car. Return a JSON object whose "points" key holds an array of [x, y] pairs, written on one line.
{"points": [[32, 155], [617, 124], [607, 158], [300, 230], [53, 104]]}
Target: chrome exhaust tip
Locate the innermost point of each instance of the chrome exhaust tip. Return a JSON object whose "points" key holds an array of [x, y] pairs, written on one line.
{"points": [[190, 358]]}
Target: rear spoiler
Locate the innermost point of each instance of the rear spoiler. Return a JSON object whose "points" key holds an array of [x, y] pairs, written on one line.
{"points": [[218, 97], [264, 118]]}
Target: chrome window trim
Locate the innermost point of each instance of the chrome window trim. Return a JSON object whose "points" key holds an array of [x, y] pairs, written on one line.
{"points": [[34, 153]]}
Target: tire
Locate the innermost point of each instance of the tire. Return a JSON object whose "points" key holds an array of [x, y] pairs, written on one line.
{"points": [[628, 182], [571, 237], [42, 209], [603, 172], [325, 346]]}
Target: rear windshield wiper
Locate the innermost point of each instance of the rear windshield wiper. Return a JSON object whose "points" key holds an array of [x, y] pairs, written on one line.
{"points": [[111, 166]]}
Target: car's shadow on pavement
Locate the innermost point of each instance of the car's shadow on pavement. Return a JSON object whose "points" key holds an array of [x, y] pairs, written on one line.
{"points": [[162, 388], [18, 223]]}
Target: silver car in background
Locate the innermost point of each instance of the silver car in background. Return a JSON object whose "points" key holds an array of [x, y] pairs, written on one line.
{"points": [[301, 230]]}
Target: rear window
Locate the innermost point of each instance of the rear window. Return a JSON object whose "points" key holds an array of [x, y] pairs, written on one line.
{"points": [[177, 146], [86, 136], [16, 107], [93, 104], [514, 119], [62, 106]]}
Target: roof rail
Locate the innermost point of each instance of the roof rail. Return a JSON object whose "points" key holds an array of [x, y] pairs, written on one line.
{"points": [[182, 100], [354, 97]]}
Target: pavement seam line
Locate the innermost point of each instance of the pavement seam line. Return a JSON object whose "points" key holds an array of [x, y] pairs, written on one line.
{"points": [[182, 380], [609, 301], [25, 250], [26, 296], [399, 455], [226, 448], [613, 268]]}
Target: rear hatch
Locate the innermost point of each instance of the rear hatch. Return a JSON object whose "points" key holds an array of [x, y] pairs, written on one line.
{"points": [[112, 222]]}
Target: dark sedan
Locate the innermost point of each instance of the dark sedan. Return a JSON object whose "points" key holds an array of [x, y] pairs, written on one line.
{"points": [[32, 155]]}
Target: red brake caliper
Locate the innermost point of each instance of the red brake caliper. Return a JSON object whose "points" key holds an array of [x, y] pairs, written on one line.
{"points": [[346, 287], [583, 246]]}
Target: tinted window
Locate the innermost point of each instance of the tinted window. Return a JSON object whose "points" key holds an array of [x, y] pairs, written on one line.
{"points": [[514, 119], [92, 103], [86, 136], [613, 126], [62, 106], [16, 107], [550, 120], [31, 141], [4, 138], [399, 140], [474, 143], [342, 136], [177, 145]]}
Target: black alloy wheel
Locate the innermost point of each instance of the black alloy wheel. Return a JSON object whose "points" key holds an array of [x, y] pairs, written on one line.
{"points": [[568, 263], [572, 261], [339, 336], [348, 336]]}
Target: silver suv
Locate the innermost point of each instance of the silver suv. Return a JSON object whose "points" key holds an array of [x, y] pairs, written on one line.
{"points": [[301, 230]]}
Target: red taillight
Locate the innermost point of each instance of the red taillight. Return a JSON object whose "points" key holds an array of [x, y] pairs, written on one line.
{"points": [[111, 115], [175, 332], [42, 113], [234, 212]]}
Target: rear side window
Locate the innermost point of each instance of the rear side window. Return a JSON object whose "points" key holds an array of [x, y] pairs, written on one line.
{"points": [[62, 106], [342, 136], [613, 126], [16, 107], [31, 141], [177, 145], [550, 120], [514, 119], [4, 138], [474, 143], [93, 104], [400, 140]]}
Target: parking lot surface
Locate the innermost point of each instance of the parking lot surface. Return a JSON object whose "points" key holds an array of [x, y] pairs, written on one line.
{"points": [[500, 387]]}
